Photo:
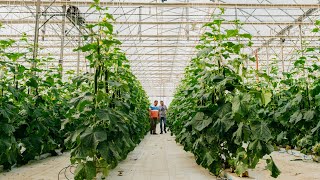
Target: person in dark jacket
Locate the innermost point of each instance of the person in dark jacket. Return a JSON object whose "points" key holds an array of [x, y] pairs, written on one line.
{"points": [[163, 116]]}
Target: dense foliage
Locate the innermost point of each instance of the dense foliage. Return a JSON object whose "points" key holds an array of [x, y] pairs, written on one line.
{"points": [[99, 116], [108, 114], [293, 113], [33, 102], [230, 116]]}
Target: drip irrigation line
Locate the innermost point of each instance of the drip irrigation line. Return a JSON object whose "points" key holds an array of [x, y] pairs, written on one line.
{"points": [[292, 153], [65, 171], [70, 170]]}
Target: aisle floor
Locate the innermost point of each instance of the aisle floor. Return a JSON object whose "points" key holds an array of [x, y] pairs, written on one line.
{"points": [[159, 157]]}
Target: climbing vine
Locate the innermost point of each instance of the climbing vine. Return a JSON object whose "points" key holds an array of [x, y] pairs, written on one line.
{"points": [[99, 117], [215, 113], [108, 113]]}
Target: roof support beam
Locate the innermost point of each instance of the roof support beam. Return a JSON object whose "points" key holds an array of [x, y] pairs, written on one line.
{"points": [[153, 46], [286, 29], [163, 5], [30, 21], [160, 36]]}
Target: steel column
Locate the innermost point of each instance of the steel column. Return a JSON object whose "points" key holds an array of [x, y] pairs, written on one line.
{"points": [[62, 35], [36, 34]]}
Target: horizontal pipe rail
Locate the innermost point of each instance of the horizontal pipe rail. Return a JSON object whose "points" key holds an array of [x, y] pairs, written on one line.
{"points": [[162, 5], [160, 36], [30, 21]]}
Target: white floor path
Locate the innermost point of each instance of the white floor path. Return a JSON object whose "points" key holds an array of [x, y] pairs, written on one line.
{"points": [[159, 157]]}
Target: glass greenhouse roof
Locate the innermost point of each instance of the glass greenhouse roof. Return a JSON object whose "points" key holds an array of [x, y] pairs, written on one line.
{"points": [[159, 37]]}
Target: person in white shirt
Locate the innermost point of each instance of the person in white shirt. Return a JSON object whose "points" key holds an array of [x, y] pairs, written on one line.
{"points": [[163, 116]]}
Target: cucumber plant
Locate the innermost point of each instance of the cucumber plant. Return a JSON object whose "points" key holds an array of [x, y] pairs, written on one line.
{"points": [[214, 113], [99, 116], [108, 114], [32, 106]]}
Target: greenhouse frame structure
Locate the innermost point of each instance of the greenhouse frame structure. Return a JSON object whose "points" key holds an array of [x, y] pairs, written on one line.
{"points": [[159, 38]]}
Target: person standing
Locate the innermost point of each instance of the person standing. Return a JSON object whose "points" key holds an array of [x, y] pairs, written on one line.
{"points": [[154, 116], [163, 116]]}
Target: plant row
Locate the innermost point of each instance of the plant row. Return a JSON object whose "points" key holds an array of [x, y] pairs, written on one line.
{"points": [[230, 116], [99, 116]]}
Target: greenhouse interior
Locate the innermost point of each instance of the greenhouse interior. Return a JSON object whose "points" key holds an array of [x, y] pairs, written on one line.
{"points": [[159, 89]]}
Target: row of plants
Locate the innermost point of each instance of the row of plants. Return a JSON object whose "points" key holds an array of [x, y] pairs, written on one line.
{"points": [[99, 116], [33, 102], [230, 116], [109, 113], [293, 110]]}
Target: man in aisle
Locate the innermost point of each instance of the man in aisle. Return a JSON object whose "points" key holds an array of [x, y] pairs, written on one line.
{"points": [[163, 116], [154, 116]]}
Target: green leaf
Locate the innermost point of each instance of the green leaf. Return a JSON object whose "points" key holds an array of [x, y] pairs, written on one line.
{"points": [[237, 48], [207, 159], [315, 30], [236, 103], [266, 97], [115, 151], [261, 131], [255, 146], [101, 96], [281, 136], [271, 166], [317, 99], [316, 128], [75, 135], [296, 117], [222, 125], [110, 42], [297, 99], [79, 172], [241, 168], [241, 134], [108, 25], [90, 170], [83, 103], [32, 82], [218, 21], [109, 16], [114, 83], [200, 122], [300, 62], [87, 47], [49, 81], [232, 32], [103, 114], [21, 68], [14, 56], [308, 116], [6, 128], [92, 138], [224, 109], [239, 103], [217, 78], [248, 36]]}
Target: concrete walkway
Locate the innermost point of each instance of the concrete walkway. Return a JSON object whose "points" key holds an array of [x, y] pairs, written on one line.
{"points": [[159, 157], [51, 168]]}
